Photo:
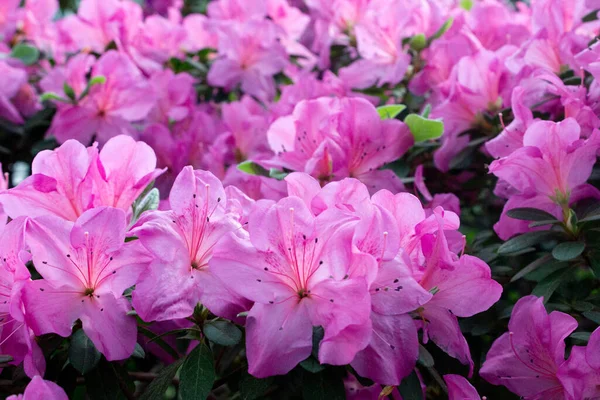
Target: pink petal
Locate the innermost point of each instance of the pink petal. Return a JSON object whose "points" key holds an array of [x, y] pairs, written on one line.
{"points": [[279, 336]]}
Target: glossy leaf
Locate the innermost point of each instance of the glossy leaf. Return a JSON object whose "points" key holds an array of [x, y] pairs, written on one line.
{"points": [[567, 251], [424, 129], [410, 388], [83, 355], [197, 374], [530, 214], [224, 333], [159, 385]]}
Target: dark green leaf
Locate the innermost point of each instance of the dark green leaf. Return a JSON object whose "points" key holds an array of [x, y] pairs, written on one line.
{"points": [[222, 332], [583, 306], [27, 54], [582, 336], [148, 202], [277, 174], [443, 29], [410, 388], [591, 218], [531, 267], [138, 351], [526, 240], [568, 250], [197, 374], [318, 334], [252, 388], [83, 355], [592, 316], [530, 214], [425, 358], [592, 16], [311, 364], [543, 223], [4, 358], [548, 285], [69, 92], [322, 386], [424, 129], [390, 111], [156, 390], [252, 168]]}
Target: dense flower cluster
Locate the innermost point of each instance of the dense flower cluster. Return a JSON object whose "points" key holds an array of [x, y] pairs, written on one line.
{"points": [[199, 167]]}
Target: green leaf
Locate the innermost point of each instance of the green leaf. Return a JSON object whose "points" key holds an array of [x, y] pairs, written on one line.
{"points": [[53, 96], [466, 4], [322, 386], [159, 385], [443, 29], [197, 374], [222, 332], [252, 388], [530, 214], [548, 285], [311, 364], [69, 92], [138, 352], [526, 240], [531, 267], [277, 174], [592, 316], [426, 111], [410, 388], [252, 168], [582, 336], [424, 129], [28, 55], [146, 203], [5, 358], [97, 80], [83, 355], [318, 335], [567, 251], [390, 111], [425, 358]]}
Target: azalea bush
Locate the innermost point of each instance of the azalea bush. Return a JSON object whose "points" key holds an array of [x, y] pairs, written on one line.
{"points": [[299, 199]]}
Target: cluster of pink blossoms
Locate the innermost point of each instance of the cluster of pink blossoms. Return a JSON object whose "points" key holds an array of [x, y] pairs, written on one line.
{"points": [[324, 238], [372, 271]]}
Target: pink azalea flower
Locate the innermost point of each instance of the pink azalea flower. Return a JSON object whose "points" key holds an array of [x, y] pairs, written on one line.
{"points": [[579, 375], [157, 40], [383, 58], [38, 388], [38, 25], [478, 83], [175, 94], [96, 24], [182, 241], [527, 357], [511, 137], [110, 108], [86, 267], [249, 55], [460, 389], [331, 139], [16, 338], [550, 171], [72, 179], [298, 270], [466, 290], [11, 81], [8, 19]]}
